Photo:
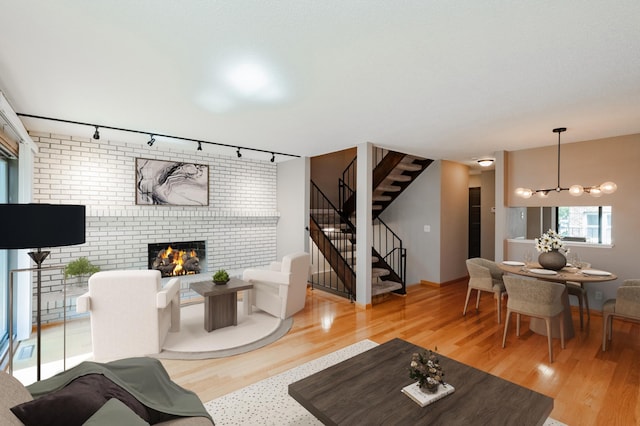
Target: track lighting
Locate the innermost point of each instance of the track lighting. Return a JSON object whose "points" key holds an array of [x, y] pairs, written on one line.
{"points": [[152, 139]]}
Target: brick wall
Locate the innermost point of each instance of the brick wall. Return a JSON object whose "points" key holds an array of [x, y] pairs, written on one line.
{"points": [[239, 225]]}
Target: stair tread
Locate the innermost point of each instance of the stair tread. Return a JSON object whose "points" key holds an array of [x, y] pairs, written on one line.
{"points": [[409, 167], [379, 272], [384, 287], [382, 198], [388, 188], [397, 177]]}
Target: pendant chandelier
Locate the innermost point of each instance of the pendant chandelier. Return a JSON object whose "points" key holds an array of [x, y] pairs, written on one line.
{"points": [[575, 190]]}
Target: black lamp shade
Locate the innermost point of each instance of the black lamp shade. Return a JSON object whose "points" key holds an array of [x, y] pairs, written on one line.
{"points": [[41, 225]]}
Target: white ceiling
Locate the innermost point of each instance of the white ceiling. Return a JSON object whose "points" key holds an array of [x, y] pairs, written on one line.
{"points": [[442, 79]]}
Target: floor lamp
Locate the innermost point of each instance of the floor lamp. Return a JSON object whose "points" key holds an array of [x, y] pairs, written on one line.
{"points": [[37, 226]]}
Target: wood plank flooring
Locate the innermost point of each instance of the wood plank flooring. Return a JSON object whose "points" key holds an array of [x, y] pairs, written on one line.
{"points": [[589, 387]]}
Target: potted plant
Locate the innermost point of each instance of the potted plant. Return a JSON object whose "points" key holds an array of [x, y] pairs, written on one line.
{"points": [[425, 369], [220, 277], [80, 268]]}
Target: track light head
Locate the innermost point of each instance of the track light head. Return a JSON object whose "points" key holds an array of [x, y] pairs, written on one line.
{"points": [[96, 134], [238, 152], [199, 146], [152, 140], [273, 157]]}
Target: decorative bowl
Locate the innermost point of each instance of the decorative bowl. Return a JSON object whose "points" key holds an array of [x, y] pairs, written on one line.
{"points": [[220, 282]]}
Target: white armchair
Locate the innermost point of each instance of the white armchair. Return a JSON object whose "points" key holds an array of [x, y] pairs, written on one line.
{"points": [[131, 312], [281, 289]]}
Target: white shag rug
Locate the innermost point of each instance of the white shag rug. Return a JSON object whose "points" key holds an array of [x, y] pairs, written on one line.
{"points": [[194, 342], [267, 402]]}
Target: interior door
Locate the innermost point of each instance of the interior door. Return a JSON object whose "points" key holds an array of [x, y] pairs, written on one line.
{"points": [[474, 222]]}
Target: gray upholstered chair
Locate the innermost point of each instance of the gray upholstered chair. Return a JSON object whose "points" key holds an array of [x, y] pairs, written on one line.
{"points": [[578, 290], [625, 305], [534, 298], [484, 275]]}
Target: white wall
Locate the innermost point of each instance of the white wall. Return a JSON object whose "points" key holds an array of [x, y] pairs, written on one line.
{"points": [[417, 206], [454, 213], [293, 205], [238, 225], [487, 216]]}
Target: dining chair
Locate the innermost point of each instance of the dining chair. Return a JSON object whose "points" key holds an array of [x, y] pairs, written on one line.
{"points": [[484, 275], [534, 298], [580, 292], [626, 305]]}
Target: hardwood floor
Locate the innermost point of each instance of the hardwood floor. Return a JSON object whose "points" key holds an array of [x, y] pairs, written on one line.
{"points": [[589, 387]]}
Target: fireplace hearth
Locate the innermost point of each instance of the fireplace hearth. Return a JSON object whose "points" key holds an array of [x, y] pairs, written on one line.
{"points": [[177, 258]]}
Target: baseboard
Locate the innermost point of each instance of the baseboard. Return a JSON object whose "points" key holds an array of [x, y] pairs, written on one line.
{"points": [[464, 279]]}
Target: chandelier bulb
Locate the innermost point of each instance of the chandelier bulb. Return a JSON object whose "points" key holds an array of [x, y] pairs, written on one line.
{"points": [[576, 190], [595, 192], [608, 187], [524, 192]]}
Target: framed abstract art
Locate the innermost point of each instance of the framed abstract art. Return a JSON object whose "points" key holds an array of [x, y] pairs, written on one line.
{"points": [[171, 183]]}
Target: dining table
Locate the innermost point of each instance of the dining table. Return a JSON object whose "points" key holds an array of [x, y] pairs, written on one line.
{"points": [[567, 274]]}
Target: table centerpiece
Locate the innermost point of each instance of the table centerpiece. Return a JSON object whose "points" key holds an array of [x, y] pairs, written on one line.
{"points": [[552, 251]]}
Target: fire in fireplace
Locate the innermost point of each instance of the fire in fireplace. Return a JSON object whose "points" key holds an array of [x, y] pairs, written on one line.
{"points": [[181, 258]]}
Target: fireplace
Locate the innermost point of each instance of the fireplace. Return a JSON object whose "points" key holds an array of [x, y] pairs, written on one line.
{"points": [[177, 258]]}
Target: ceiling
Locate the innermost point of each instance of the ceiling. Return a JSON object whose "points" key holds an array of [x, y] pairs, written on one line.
{"points": [[454, 80]]}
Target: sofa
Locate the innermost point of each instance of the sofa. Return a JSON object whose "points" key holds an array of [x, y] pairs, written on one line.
{"points": [[133, 391]]}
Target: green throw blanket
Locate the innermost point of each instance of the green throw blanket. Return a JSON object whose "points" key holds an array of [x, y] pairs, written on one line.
{"points": [[144, 378]]}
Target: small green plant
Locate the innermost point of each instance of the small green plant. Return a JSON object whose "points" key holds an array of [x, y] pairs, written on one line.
{"points": [[221, 276], [80, 267]]}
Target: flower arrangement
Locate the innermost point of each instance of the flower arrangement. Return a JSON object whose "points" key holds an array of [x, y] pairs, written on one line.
{"points": [[550, 241], [425, 368]]}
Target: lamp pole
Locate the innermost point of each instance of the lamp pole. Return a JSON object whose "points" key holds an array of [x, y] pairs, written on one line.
{"points": [[39, 257]]}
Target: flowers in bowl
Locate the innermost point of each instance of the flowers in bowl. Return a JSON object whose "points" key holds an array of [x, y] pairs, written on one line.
{"points": [[425, 368], [550, 241]]}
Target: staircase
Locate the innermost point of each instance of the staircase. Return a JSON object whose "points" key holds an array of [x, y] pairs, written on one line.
{"points": [[334, 234]]}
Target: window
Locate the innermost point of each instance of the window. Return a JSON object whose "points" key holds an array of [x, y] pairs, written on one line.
{"points": [[4, 266], [591, 223]]}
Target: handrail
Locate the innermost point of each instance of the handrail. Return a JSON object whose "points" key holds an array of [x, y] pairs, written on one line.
{"points": [[378, 155], [332, 236], [389, 246], [347, 182]]}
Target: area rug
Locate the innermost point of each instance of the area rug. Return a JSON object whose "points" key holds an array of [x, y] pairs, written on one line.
{"points": [[194, 342], [268, 403]]}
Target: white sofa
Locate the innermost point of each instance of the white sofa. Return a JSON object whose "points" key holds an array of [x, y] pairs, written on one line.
{"points": [[281, 288], [131, 312]]}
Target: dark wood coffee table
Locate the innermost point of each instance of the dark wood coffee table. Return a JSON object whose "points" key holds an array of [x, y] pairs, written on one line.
{"points": [[220, 302], [366, 390]]}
